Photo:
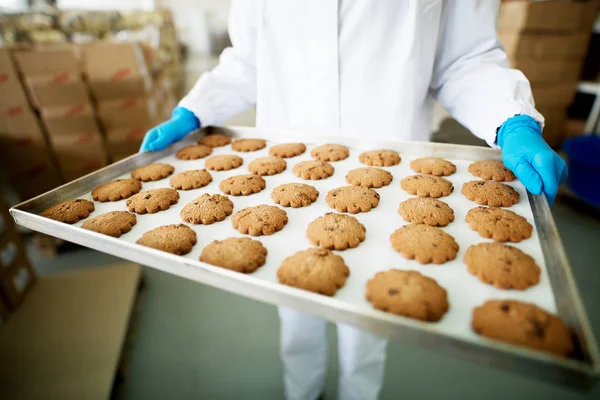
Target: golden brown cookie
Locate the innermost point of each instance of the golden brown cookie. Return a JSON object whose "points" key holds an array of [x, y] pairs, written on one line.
{"points": [[424, 243], [503, 266], [407, 293], [116, 190], [70, 211], [223, 162], [259, 220], [433, 166], [153, 201], [294, 195], [152, 172], [336, 231], [380, 158], [177, 239], [352, 199], [114, 223], [192, 179], [194, 152], [490, 193], [330, 152], [267, 166], [316, 270], [207, 209], [247, 145], [287, 150], [523, 324], [425, 210], [313, 170], [238, 254], [243, 185], [499, 224], [369, 177], [427, 185], [492, 169], [216, 140]]}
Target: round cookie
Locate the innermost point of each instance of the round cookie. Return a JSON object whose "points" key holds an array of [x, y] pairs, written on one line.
{"points": [[352, 199], [70, 211], [216, 140], [194, 152], [152, 172], [207, 209], [114, 223], [427, 185], [191, 179], [369, 177], [433, 166], [503, 266], [492, 169], [153, 201], [316, 270], [425, 210], [499, 224], [380, 158], [336, 231], [287, 150], [116, 190], [313, 170], [490, 193], [426, 244], [330, 152], [246, 145], [407, 293], [523, 324], [294, 195], [267, 166], [237, 254], [176, 239], [259, 220], [243, 185], [223, 162]]}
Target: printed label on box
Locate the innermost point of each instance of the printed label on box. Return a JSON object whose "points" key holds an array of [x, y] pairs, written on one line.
{"points": [[8, 253], [21, 280]]}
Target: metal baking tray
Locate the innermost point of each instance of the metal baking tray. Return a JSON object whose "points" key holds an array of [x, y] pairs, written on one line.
{"points": [[556, 292]]}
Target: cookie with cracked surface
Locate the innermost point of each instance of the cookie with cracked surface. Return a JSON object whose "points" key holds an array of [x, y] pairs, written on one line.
{"points": [[313, 170], [237, 254], [243, 185], [153, 200], [294, 195], [259, 220], [369, 177], [216, 140], [427, 185], [152, 172], [70, 211], [191, 179], [247, 145], [336, 231], [499, 224], [287, 150], [116, 190], [330, 152], [224, 162], [424, 243], [267, 166], [490, 193], [433, 166], [194, 152], [207, 209], [425, 210], [491, 169], [380, 158], [114, 223], [352, 199], [176, 239]]}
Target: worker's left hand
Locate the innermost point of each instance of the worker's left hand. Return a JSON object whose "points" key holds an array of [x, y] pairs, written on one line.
{"points": [[529, 157]]}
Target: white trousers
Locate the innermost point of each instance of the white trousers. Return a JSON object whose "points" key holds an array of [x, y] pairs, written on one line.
{"points": [[304, 357]]}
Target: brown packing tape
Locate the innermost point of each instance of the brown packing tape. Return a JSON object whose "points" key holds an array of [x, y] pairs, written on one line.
{"points": [[17, 281], [57, 89]]}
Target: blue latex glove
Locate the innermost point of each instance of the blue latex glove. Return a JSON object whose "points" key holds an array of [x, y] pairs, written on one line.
{"points": [[182, 122], [529, 157]]}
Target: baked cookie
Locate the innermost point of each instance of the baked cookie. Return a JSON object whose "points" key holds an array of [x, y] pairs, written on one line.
{"points": [[425, 210], [267, 166], [152, 172], [216, 140], [207, 209], [194, 152], [490, 193], [407, 293], [352, 199], [294, 195], [177, 239], [336, 231], [427, 185], [259, 220], [499, 224], [369, 177], [330, 152], [246, 145], [237, 254], [316, 270], [523, 324], [503, 266], [433, 166], [243, 185], [192, 179], [424, 243], [313, 170], [116, 190], [70, 211], [287, 150], [492, 169], [153, 201], [114, 223], [380, 158], [223, 162]]}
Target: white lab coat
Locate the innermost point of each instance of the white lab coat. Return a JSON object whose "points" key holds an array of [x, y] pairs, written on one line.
{"points": [[356, 68]]}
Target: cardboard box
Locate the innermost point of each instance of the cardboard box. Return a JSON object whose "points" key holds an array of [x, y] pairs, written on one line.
{"points": [[574, 127], [548, 71], [128, 113], [124, 142], [73, 119], [49, 60], [545, 46], [114, 62], [552, 15], [8, 71], [104, 89], [57, 90], [18, 156], [554, 128], [13, 98], [17, 281], [20, 121], [38, 179], [79, 154], [548, 95]]}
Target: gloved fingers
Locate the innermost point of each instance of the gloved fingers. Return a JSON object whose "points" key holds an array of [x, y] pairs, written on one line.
{"points": [[162, 140], [543, 163], [561, 167], [528, 176], [148, 139]]}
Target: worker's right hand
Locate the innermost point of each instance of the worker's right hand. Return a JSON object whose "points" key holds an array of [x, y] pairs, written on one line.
{"points": [[182, 122]]}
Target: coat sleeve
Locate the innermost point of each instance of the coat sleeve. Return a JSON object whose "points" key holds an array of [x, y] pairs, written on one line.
{"points": [[230, 87], [471, 77]]}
